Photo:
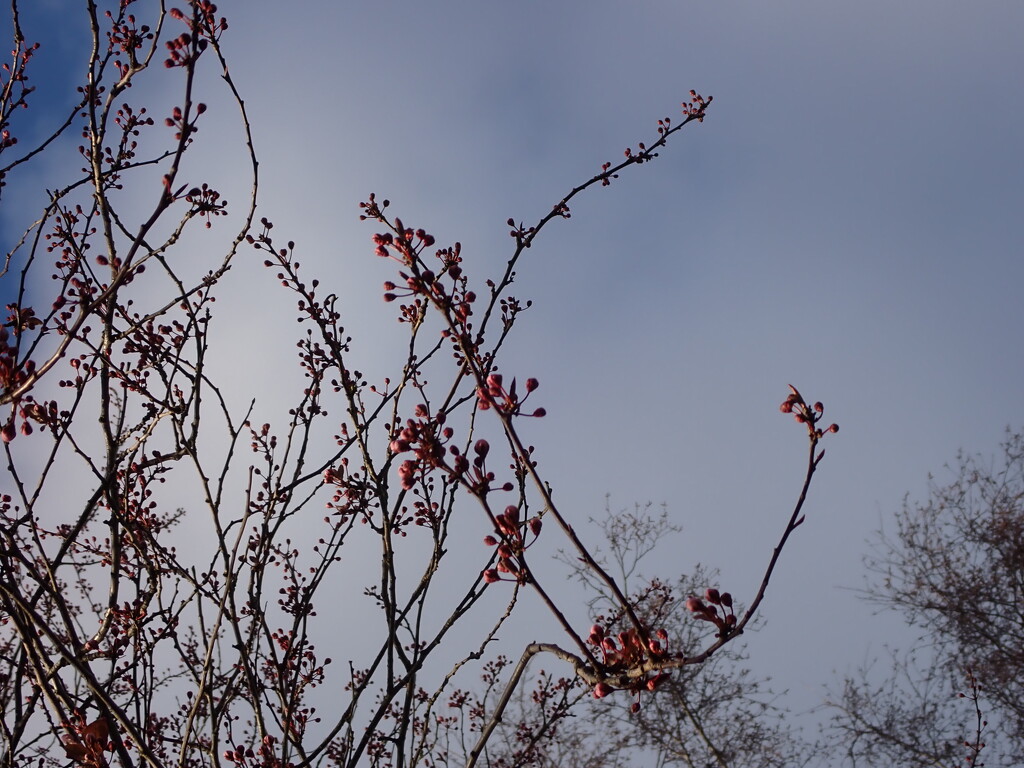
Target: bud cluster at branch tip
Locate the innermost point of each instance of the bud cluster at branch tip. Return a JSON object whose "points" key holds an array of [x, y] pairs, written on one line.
{"points": [[806, 414]]}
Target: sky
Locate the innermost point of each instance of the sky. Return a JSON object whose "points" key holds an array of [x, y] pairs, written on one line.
{"points": [[847, 220]]}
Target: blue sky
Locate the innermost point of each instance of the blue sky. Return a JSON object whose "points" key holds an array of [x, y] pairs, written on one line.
{"points": [[847, 219]]}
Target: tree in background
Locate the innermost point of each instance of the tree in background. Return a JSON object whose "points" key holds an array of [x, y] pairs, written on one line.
{"points": [[715, 714], [954, 567], [170, 564]]}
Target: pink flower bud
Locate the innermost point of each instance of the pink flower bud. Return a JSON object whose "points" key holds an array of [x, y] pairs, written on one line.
{"points": [[406, 473], [712, 596], [491, 576], [532, 384], [727, 599], [695, 605], [490, 541], [601, 690]]}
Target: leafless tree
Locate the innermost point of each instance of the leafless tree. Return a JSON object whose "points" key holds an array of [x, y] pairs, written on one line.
{"points": [[954, 567], [715, 714], [170, 566]]}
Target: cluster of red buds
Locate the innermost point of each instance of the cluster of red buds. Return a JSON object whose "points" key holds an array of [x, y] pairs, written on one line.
{"points": [[204, 18], [177, 120], [424, 285], [15, 73], [606, 175], [523, 234], [404, 245], [352, 494], [480, 479], [180, 52], [14, 373], [457, 304], [129, 38], [511, 542], [374, 210], [494, 395], [264, 755], [29, 411], [696, 106], [206, 202], [643, 154], [205, 25], [629, 652], [423, 281], [426, 436], [718, 610], [805, 414]]}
